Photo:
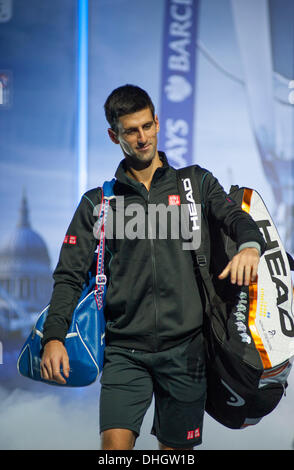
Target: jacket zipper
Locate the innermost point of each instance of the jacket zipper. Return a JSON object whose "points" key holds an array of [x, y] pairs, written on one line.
{"points": [[154, 278], [153, 269]]}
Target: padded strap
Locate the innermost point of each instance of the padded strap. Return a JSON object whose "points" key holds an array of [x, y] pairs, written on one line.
{"points": [[199, 255], [107, 194]]}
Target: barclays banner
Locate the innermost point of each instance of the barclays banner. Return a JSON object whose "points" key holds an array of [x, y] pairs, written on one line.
{"points": [[178, 81]]}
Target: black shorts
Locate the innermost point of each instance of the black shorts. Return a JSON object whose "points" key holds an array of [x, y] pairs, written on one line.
{"points": [[177, 379]]}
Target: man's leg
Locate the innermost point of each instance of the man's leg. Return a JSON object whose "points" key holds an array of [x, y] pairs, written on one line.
{"points": [[117, 439], [126, 394], [180, 393]]}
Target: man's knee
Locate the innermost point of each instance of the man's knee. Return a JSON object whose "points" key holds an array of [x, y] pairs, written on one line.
{"points": [[118, 439]]}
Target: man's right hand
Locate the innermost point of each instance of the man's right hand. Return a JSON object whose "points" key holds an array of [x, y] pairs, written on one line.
{"points": [[54, 357]]}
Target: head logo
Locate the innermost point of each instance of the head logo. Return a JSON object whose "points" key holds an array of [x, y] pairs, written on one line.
{"points": [[235, 399], [178, 88]]}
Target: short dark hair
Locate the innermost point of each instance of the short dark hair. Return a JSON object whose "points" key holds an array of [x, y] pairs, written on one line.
{"points": [[126, 99]]}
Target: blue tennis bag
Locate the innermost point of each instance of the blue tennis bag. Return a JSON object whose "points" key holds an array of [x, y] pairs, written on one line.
{"points": [[85, 339]]}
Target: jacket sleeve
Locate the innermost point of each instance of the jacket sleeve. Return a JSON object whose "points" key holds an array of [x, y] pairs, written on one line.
{"points": [[236, 223], [75, 259]]}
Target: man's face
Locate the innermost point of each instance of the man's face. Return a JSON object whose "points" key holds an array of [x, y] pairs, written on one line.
{"points": [[137, 136]]}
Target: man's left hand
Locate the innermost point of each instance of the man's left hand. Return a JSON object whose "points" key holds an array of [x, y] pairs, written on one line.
{"points": [[243, 267]]}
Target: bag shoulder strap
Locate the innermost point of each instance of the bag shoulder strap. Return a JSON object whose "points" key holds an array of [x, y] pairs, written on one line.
{"points": [[107, 194], [107, 189], [200, 254], [195, 182]]}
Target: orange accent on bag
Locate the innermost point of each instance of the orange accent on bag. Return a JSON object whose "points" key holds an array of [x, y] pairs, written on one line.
{"points": [[246, 202], [247, 199], [255, 335]]}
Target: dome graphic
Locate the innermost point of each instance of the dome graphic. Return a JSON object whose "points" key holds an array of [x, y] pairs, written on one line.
{"points": [[25, 274], [25, 245]]}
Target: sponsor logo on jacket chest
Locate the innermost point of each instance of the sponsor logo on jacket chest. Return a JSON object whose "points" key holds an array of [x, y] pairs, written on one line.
{"points": [[192, 206]]}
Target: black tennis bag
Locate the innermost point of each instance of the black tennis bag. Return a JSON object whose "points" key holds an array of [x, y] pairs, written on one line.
{"points": [[249, 331]]}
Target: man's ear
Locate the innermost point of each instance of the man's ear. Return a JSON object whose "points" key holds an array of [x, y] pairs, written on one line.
{"points": [[112, 136], [156, 123]]}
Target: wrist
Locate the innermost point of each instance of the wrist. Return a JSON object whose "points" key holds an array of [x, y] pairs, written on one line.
{"points": [[250, 245], [52, 342]]}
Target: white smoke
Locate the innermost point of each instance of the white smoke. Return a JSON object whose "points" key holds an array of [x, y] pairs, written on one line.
{"points": [[34, 421], [56, 419], [69, 419]]}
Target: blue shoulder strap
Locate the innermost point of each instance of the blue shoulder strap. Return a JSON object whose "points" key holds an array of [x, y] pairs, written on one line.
{"points": [[108, 188]]}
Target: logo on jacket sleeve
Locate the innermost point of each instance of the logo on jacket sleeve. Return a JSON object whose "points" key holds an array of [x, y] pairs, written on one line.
{"points": [[70, 239]]}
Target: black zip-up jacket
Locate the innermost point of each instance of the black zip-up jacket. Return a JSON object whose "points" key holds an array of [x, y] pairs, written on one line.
{"points": [[152, 301]]}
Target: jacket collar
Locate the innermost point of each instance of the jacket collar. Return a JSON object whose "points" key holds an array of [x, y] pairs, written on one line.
{"points": [[121, 175]]}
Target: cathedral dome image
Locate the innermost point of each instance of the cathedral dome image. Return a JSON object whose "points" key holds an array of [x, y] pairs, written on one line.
{"points": [[25, 246], [25, 273]]}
